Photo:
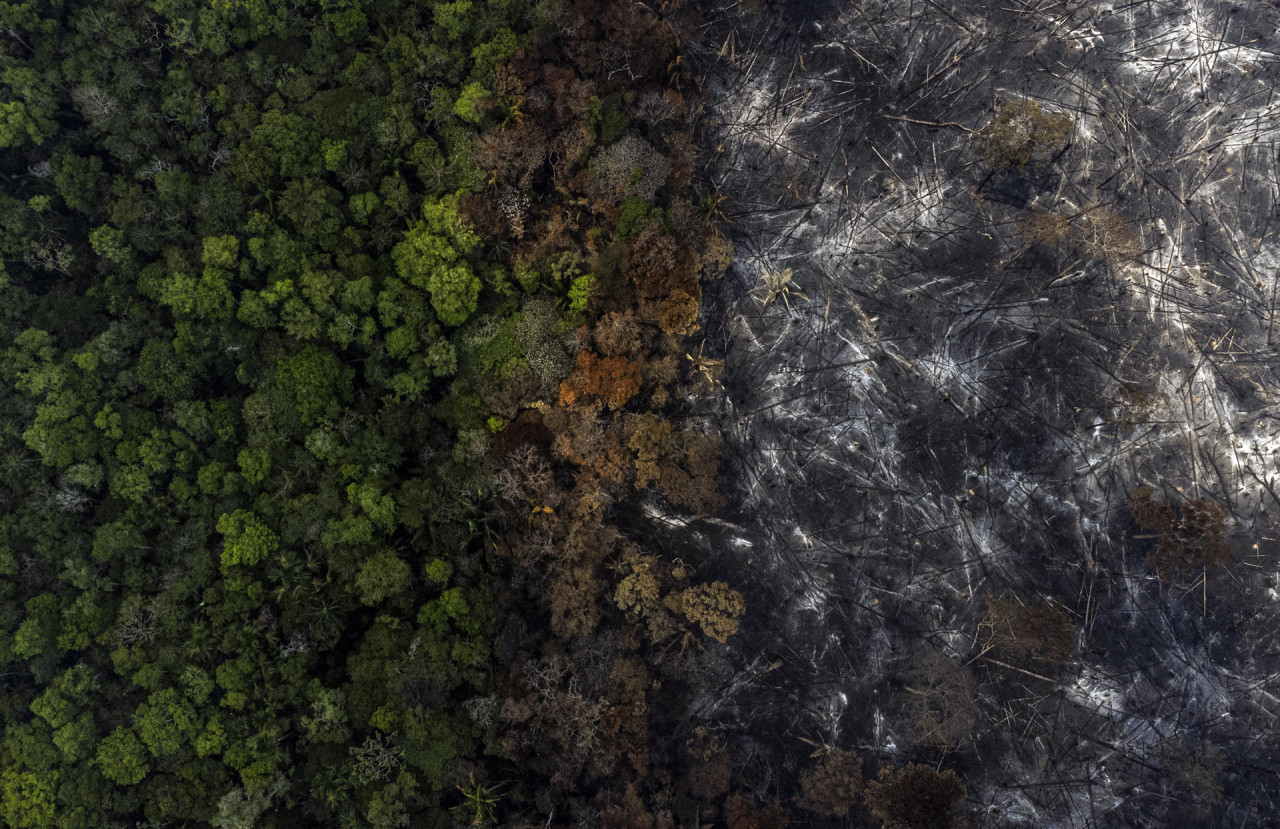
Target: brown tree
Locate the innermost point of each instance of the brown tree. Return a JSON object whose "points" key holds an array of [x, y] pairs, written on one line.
{"points": [[1190, 540], [715, 256], [741, 812], [573, 596], [942, 704], [1045, 227], [833, 785], [678, 313], [715, 607], [614, 380], [549, 720], [693, 485], [1193, 773], [640, 595], [628, 813], [570, 95], [1134, 405], [915, 797], [510, 154], [618, 334], [1041, 631], [651, 441], [1108, 236], [659, 264], [708, 776], [627, 720]]}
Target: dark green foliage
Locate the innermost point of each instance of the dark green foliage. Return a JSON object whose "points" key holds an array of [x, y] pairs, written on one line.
{"points": [[635, 212], [225, 307]]}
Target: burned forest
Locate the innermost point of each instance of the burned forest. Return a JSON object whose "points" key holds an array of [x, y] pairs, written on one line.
{"points": [[1000, 401]]}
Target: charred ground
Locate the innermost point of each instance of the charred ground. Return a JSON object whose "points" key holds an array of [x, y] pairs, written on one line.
{"points": [[999, 268]]}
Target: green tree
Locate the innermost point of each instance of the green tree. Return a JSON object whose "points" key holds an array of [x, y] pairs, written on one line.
{"points": [[468, 107], [382, 576], [77, 738], [27, 798], [122, 758], [166, 722], [28, 115], [313, 383], [63, 698], [240, 808], [38, 633], [254, 464], [432, 257], [246, 539]]}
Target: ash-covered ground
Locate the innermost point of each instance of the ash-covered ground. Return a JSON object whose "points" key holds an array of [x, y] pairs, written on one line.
{"points": [[973, 367]]}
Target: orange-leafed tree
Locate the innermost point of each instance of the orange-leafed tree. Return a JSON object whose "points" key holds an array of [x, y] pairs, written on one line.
{"points": [[614, 380]]}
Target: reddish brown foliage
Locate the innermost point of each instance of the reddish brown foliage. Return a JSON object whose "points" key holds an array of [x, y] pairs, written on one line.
{"points": [[560, 468], [551, 235], [651, 440], [678, 313], [684, 465], [740, 812], [570, 95], [579, 433], [587, 542], [645, 42], [1040, 631], [630, 813], [511, 154], [708, 776], [526, 430], [573, 597], [833, 785], [915, 797], [1195, 538], [695, 487], [595, 444], [658, 264], [627, 721], [680, 149], [941, 700], [618, 334], [614, 380], [481, 212], [547, 711]]}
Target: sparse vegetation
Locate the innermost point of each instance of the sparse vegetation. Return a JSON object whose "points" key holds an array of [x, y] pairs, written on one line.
{"points": [[1021, 131], [1189, 538]]}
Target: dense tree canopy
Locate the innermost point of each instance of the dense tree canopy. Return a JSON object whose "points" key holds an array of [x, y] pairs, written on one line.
{"points": [[305, 397]]}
